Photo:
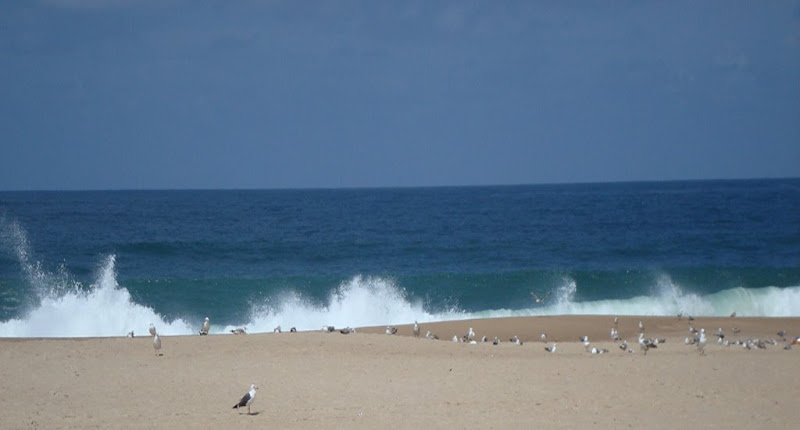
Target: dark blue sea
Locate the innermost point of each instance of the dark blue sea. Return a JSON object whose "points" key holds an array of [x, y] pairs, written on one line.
{"points": [[102, 263]]}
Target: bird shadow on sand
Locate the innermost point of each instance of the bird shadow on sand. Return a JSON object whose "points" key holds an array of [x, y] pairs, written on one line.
{"points": [[251, 414]]}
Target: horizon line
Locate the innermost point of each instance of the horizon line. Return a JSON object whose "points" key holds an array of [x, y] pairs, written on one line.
{"points": [[394, 187]]}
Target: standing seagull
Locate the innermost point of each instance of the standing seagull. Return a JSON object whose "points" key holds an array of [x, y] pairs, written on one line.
{"points": [[152, 330], [701, 342], [416, 329], [206, 326], [156, 344], [247, 399]]}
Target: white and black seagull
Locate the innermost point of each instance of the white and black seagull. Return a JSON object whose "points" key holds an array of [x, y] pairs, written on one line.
{"points": [[247, 399], [206, 327]]}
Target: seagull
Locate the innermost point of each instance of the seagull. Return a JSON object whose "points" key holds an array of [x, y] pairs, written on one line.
{"points": [[391, 329], [455, 339], [293, 330], [277, 329], [585, 341], [152, 330], [614, 334], [156, 343], [624, 345], [347, 330], [516, 340], [646, 344], [616, 320], [782, 333], [484, 339], [733, 315], [247, 399], [130, 334], [641, 326], [543, 337], [701, 341], [540, 300], [206, 327], [416, 329], [431, 336], [496, 341], [551, 349], [470, 334], [239, 330]]}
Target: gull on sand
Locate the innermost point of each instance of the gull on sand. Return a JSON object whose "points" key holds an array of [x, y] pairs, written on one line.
{"points": [[206, 327], [156, 344], [247, 399]]}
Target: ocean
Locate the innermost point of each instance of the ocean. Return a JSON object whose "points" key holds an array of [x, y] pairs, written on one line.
{"points": [[103, 263]]}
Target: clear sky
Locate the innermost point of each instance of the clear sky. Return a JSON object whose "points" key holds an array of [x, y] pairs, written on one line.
{"points": [[116, 94]]}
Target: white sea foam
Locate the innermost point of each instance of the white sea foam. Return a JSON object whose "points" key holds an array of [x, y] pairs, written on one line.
{"points": [[63, 307], [105, 309], [358, 302]]}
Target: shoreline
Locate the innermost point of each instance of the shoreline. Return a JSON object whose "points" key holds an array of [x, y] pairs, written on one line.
{"points": [[368, 379]]}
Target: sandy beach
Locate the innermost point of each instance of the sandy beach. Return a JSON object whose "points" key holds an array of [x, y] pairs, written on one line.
{"points": [[373, 380]]}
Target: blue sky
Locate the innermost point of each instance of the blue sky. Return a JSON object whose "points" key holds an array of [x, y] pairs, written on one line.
{"points": [[282, 94]]}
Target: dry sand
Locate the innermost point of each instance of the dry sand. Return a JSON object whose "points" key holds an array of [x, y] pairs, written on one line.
{"points": [[371, 380]]}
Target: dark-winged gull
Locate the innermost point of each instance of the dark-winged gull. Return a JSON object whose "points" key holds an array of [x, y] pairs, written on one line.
{"points": [[247, 399], [391, 329], [239, 330], [551, 349], [277, 329], [206, 326], [431, 336], [540, 300], [156, 343], [416, 329]]}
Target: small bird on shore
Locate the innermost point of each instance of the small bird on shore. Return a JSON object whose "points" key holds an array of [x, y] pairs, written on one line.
{"points": [[496, 341], [646, 344], [551, 349], [455, 339], [616, 320], [239, 330], [470, 334], [247, 399], [152, 330], [416, 329], [701, 341], [391, 329], [624, 345], [347, 330], [156, 344], [130, 334], [543, 337], [277, 329], [641, 326], [431, 336], [206, 327]]}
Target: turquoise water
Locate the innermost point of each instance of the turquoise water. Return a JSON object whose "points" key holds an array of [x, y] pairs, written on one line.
{"points": [[104, 263]]}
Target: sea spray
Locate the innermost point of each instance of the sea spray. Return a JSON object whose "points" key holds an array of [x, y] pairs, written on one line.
{"points": [[358, 302], [104, 309]]}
